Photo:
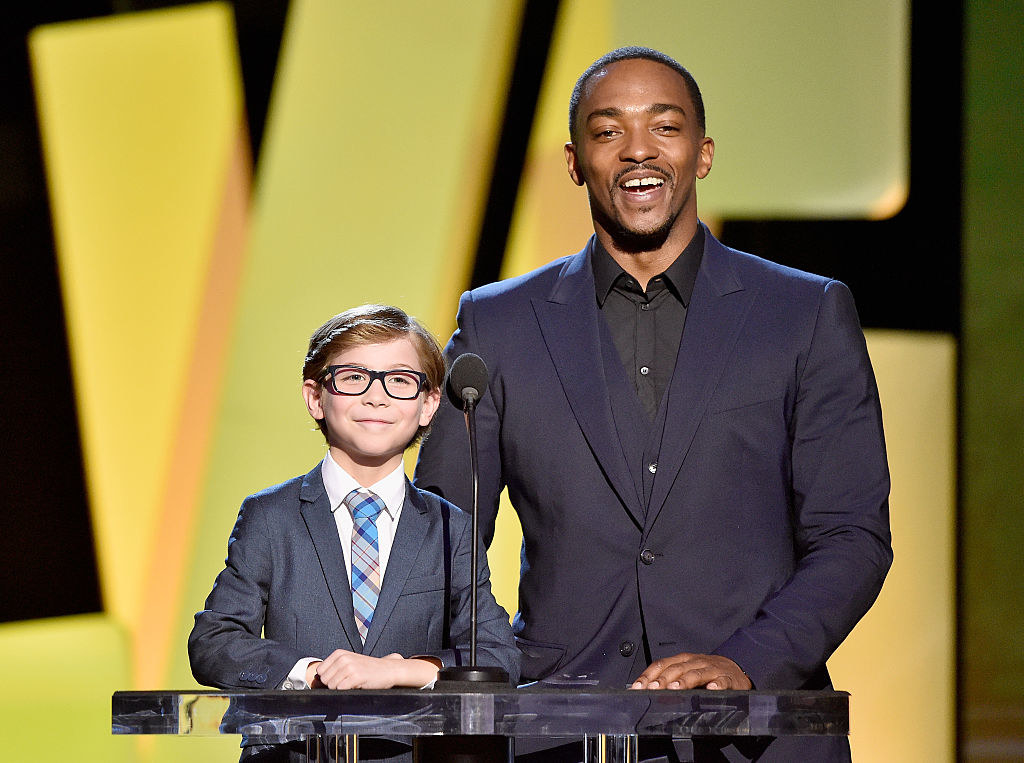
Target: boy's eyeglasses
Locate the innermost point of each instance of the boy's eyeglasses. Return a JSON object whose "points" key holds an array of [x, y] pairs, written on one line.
{"points": [[355, 380]]}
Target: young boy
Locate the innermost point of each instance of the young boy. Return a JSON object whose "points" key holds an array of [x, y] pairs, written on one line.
{"points": [[344, 571]]}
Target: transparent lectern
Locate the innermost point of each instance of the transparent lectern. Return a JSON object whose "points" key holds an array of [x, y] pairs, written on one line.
{"points": [[330, 723]]}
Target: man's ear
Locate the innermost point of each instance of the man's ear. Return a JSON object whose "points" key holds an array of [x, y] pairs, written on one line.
{"points": [[706, 157], [430, 403], [311, 393], [572, 161]]}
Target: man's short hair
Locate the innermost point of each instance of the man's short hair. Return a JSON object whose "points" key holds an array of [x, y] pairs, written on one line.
{"points": [[373, 324], [625, 54]]}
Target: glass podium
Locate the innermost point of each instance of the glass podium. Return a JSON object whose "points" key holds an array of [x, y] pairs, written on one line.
{"points": [[610, 721]]}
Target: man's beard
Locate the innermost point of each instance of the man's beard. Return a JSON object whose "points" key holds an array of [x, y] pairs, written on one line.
{"points": [[634, 241]]}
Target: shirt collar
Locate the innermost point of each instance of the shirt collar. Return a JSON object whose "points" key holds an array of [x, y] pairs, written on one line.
{"points": [[679, 276], [338, 483]]}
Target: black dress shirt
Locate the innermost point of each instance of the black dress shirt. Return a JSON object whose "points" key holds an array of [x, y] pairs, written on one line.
{"points": [[647, 326]]}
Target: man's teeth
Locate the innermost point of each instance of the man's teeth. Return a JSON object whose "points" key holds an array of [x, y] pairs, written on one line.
{"points": [[639, 182]]}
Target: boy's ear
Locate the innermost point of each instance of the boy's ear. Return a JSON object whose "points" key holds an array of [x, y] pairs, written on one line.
{"points": [[430, 404], [311, 393]]}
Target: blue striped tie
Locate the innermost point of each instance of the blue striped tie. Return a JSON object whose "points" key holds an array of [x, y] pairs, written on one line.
{"points": [[365, 507]]}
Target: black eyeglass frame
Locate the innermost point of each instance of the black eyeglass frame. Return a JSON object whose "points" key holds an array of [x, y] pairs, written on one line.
{"points": [[328, 380]]}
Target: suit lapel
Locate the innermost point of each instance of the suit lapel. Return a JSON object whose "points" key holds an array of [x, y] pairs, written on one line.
{"points": [[714, 319], [569, 323], [413, 524], [323, 530]]}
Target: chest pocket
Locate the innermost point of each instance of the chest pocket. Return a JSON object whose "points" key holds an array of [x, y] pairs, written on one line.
{"points": [[423, 584], [740, 396]]}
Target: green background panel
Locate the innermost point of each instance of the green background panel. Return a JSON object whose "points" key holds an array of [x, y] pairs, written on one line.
{"points": [[992, 362]]}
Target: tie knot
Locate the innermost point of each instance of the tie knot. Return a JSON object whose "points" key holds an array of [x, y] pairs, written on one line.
{"points": [[364, 504]]}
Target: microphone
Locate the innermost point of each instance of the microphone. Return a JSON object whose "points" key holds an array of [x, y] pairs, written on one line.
{"points": [[466, 383], [467, 380]]}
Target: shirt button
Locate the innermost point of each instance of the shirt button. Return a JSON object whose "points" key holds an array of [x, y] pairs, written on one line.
{"points": [[644, 370], [652, 468], [645, 306], [626, 648], [647, 556]]}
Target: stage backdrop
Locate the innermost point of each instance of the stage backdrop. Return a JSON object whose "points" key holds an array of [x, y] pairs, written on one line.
{"points": [[190, 290]]}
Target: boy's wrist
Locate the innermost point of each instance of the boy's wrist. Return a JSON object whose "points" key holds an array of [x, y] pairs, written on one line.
{"points": [[311, 677], [425, 672], [435, 661]]}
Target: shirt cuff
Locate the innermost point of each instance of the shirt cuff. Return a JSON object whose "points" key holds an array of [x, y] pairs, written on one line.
{"points": [[297, 676]]}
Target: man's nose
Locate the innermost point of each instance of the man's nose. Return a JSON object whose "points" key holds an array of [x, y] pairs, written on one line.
{"points": [[638, 146]]}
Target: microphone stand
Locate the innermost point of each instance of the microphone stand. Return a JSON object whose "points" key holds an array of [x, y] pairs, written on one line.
{"points": [[474, 466], [475, 748], [472, 677]]}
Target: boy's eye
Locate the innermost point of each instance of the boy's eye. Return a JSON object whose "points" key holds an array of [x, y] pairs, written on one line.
{"points": [[402, 380]]}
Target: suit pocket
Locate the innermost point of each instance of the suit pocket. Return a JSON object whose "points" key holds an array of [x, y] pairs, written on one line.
{"points": [[736, 398], [423, 584], [540, 659]]}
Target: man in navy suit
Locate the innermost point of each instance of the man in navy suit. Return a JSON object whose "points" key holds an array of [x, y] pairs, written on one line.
{"points": [[311, 595], [690, 435]]}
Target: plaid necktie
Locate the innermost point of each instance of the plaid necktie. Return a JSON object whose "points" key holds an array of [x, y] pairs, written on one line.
{"points": [[365, 507]]}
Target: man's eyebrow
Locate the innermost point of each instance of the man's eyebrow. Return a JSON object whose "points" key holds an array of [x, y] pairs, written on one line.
{"points": [[662, 108], [654, 109], [611, 111]]}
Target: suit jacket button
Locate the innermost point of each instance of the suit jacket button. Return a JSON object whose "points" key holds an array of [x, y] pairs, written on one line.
{"points": [[626, 648], [647, 556]]}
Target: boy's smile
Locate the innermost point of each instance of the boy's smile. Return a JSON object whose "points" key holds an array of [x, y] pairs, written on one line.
{"points": [[369, 432]]}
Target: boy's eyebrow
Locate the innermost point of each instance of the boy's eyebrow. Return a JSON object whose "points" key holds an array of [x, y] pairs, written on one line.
{"points": [[396, 367], [654, 109]]}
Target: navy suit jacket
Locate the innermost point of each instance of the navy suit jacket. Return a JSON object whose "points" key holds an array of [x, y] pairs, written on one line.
{"points": [[285, 577], [766, 534]]}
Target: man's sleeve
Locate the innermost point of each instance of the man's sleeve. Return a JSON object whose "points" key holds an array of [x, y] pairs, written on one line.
{"points": [[840, 487], [443, 467]]}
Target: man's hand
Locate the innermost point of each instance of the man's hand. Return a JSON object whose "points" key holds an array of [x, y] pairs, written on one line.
{"points": [[693, 671], [348, 670]]}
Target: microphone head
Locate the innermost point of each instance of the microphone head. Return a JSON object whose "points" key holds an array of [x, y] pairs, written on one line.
{"points": [[467, 380]]}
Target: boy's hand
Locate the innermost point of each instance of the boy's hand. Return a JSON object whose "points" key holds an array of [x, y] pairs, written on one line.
{"points": [[348, 670]]}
